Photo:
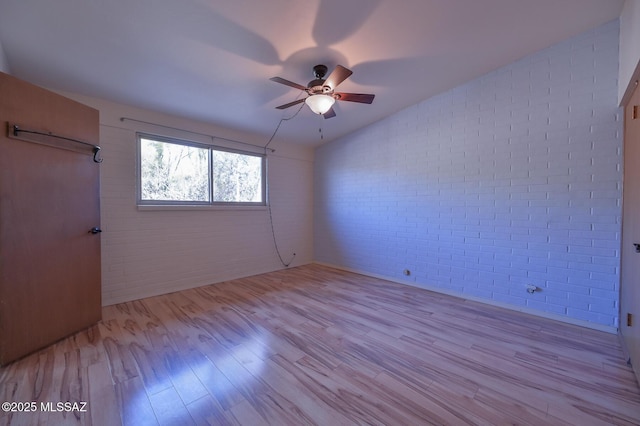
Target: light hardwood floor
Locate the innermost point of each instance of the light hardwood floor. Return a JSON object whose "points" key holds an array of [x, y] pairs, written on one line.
{"points": [[315, 345]]}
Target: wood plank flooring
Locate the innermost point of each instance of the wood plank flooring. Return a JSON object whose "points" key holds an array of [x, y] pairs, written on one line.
{"points": [[318, 346]]}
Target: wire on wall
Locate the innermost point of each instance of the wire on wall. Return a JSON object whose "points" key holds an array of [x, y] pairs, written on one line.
{"points": [[273, 231], [278, 127]]}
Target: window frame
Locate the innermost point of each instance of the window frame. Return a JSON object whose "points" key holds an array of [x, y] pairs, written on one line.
{"points": [[210, 148]]}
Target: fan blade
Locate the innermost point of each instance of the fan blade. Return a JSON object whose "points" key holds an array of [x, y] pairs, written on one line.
{"points": [[290, 104], [329, 114], [288, 83], [338, 75], [363, 98]]}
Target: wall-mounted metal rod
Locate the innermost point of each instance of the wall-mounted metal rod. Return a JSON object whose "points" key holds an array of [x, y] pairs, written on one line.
{"points": [[213, 138], [96, 149]]}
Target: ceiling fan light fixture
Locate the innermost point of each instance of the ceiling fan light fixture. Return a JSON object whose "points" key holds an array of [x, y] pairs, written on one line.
{"points": [[320, 104]]}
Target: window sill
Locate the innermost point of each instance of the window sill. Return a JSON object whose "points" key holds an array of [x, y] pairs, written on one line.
{"points": [[173, 207]]}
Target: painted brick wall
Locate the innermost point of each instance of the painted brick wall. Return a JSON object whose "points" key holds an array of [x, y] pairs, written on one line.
{"points": [[147, 253], [508, 180]]}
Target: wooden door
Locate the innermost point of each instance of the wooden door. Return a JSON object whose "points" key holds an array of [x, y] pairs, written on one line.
{"points": [[630, 271], [49, 202]]}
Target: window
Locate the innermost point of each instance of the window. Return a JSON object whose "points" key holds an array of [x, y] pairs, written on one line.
{"points": [[176, 172]]}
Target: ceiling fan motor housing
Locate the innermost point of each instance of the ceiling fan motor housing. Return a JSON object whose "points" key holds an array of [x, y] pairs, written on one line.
{"points": [[317, 86], [319, 71]]}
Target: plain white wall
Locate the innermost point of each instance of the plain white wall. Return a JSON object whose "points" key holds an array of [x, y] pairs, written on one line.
{"points": [[511, 179], [147, 253], [629, 45]]}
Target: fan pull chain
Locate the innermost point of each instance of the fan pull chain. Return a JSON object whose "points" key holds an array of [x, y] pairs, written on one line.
{"points": [[320, 132]]}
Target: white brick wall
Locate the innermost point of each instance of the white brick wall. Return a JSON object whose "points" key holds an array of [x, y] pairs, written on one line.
{"points": [[508, 180], [146, 253]]}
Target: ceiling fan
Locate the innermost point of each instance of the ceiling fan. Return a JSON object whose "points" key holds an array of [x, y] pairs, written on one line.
{"points": [[322, 94]]}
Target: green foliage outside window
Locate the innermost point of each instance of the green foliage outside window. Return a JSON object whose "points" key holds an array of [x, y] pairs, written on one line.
{"points": [[172, 172]]}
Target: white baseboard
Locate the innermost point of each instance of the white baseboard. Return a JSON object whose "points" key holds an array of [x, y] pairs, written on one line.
{"points": [[547, 315]]}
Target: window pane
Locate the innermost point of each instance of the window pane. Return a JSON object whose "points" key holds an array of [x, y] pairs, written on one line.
{"points": [[236, 177], [173, 172]]}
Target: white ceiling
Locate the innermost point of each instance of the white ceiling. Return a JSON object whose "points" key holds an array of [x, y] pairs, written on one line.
{"points": [[211, 60]]}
